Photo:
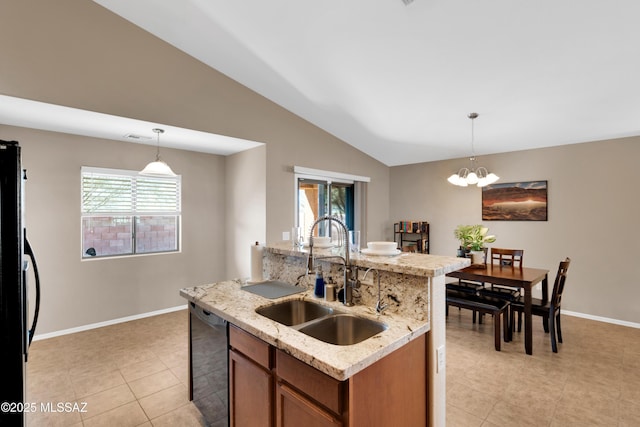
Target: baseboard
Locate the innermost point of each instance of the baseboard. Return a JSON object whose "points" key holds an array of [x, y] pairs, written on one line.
{"points": [[602, 319], [38, 337]]}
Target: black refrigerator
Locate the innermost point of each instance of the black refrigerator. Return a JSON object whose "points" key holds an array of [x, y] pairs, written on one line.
{"points": [[15, 252]]}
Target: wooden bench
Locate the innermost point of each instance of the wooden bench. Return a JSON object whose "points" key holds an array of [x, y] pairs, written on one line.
{"points": [[483, 305]]}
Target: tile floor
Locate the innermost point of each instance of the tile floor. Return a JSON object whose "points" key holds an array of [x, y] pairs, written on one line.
{"points": [[135, 373], [593, 380]]}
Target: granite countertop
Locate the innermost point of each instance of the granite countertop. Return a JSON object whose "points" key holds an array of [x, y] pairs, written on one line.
{"points": [[406, 263], [227, 300]]}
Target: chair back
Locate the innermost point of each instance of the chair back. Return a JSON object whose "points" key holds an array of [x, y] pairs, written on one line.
{"points": [[507, 257], [558, 286]]}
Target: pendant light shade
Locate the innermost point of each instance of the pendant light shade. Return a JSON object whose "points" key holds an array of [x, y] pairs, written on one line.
{"points": [[157, 167], [475, 175]]}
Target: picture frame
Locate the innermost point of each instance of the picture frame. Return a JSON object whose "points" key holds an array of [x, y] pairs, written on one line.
{"points": [[515, 201]]}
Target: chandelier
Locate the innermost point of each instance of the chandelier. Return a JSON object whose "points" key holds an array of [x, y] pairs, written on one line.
{"points": [[473, 175]]}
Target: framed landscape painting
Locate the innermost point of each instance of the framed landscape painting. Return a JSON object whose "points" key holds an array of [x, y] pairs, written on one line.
{"points": [[515, 201]]}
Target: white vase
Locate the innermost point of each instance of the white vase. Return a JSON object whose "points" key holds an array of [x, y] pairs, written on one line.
{"points": [[477, 257]]}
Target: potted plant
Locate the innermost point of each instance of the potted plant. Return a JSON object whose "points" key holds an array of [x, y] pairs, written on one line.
{"points": [[472, 238]]}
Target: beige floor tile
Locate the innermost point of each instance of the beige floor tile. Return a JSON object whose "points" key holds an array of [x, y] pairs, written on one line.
{"points": [[471, 400], [174, 359], [53, 418], [629, 414], [142, 369], [185, 416], [92, 384], [47, 386], [164, 401], [518, 414], [107, 400], [579, 416], [594, 379], [153, 383], [127, 415], [457, 417]]}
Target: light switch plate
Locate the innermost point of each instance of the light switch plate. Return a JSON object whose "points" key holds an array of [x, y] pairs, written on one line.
{"points": [[286, 235], [440, 359]]}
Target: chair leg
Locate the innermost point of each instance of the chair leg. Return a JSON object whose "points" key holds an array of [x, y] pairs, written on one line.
{"points": [[506, 327], [519, 321], [558, 328], [552, 326], [446, 310], [474, 316], [545, 323], [496, 330]]}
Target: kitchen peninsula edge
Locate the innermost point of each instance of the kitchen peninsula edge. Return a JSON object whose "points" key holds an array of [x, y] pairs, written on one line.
{"points": [[413, 286]]}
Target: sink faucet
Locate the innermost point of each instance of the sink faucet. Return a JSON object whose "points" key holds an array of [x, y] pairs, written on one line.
{"points": [[380, 307], [350, 274]]}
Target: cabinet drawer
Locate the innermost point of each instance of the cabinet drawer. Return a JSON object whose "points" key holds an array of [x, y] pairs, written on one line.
{"points": [[252, 347], [294, 410], [310, 381]]}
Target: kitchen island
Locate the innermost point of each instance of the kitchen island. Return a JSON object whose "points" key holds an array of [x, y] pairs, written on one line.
{"points": [[412, 286]]}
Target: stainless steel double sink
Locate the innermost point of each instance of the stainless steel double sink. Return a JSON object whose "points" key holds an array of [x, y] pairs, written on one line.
{"points": [[322, 322]]}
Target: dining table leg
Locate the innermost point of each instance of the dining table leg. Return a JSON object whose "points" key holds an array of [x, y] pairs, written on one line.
{"points": [[528, 324]]}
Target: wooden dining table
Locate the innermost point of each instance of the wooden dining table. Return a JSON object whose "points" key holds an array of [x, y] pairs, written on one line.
{"points": [[524, 278]]}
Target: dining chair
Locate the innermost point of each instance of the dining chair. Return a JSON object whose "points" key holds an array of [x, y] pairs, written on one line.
{"points": [[507, 257], [504, 258], [549, 311]]}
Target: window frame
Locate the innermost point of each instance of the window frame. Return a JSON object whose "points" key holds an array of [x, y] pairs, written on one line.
{"points": [[359, 190], [134, 214]]}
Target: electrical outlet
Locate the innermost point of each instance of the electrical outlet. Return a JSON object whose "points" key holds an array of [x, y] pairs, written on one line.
{"points": [[440, 359], [286, 235]]}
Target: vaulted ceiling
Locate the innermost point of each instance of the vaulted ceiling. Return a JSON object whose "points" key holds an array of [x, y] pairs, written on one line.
{"points": [[397, 80]]}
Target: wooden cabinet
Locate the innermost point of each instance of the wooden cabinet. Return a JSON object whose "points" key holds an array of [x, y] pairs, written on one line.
{"points": [[294, 409], [250, 381], [412, 236], [305, 394], [269, 387]]}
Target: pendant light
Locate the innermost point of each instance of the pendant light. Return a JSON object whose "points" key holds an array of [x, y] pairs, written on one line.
{"points": [[474, 175], [157, 167]]}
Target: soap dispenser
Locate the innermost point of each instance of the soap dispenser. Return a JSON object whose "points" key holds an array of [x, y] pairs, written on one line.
{"points": [[319, 289]]}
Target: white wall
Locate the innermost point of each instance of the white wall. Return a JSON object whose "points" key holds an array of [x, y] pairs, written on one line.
{"points": [[593, 214]]}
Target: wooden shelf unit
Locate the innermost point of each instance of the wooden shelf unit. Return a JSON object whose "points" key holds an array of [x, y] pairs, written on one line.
{"points": [[412, 236]]}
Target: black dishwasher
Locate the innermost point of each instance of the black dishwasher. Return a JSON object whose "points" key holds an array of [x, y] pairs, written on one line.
{"points": [[208, 365]]}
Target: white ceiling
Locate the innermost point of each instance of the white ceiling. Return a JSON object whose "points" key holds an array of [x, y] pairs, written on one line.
{"points": [[398, 82], [56, 118]]}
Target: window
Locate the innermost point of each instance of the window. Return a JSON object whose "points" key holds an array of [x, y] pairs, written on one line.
{"points": [[320, 193], [124, 213]]}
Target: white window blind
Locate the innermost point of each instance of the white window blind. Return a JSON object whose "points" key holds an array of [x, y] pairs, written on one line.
{"points": [[117, 192]]}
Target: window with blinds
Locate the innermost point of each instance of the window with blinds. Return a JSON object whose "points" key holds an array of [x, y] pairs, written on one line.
{"points": [[124, 213]]}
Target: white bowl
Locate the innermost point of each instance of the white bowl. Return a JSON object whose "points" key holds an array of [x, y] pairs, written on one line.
{"points": [[322, 241], [382, 246]]}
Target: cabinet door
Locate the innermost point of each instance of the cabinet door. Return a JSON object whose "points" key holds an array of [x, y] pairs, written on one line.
{"points": [[294, 410], [250, 393]]}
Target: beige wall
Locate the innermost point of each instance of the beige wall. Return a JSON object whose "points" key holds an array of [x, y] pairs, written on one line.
{"points": [[76, 292], [245, 207], [78, 54], [593, 216]]}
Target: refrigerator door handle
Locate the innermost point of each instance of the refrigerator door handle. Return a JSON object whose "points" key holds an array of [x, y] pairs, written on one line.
{"points": [[29, 251]]}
